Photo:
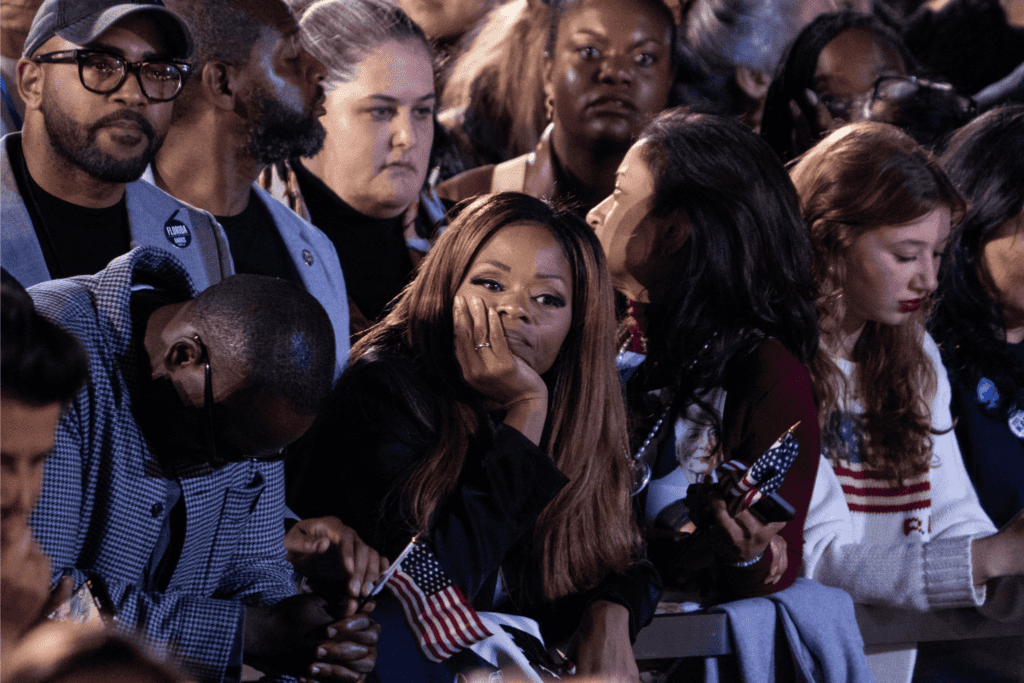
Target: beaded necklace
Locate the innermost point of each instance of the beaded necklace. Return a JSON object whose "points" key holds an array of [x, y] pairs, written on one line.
{"points": [[640, 468]]}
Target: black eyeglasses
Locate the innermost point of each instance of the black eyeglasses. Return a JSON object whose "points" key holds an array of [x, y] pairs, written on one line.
{"points": [[891, 88], [231, 454], [211, 442], [104, 72]]}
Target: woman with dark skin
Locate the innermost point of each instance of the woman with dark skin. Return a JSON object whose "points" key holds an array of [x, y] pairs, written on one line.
{"points": [[703, 233], [607, 71], [826, 78], [484, 414]]}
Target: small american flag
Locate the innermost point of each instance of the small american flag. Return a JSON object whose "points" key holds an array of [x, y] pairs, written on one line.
{"points": [[439, 615], [766, 474]]}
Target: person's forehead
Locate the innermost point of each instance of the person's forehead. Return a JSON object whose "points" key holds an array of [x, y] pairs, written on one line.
{"points": [[856, 48], [634, 161], [524, 240], [641, 18], [930, 229], [401, 69], [28, 429], [273, 38], [276, 15]]}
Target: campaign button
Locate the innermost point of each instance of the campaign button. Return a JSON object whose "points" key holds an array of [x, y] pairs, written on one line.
{"points": [[177, 233]]}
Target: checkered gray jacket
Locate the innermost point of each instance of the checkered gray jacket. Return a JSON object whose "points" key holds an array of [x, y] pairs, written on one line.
{"points": [[102, 505]]}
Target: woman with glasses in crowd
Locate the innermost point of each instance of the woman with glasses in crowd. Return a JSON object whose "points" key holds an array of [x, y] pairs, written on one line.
{"points": [[894, 519], [483, 415], [845, 67]]}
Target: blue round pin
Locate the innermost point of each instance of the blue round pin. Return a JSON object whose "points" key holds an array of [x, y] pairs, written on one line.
{"points": [[1016, 423]]}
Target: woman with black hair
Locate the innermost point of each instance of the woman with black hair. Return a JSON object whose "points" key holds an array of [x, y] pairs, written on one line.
{"points": [[703, 234], [846, 67], [979, 313]]}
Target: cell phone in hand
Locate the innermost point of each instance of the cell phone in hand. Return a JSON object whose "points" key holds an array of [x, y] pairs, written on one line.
{"points": [[772, 508]]}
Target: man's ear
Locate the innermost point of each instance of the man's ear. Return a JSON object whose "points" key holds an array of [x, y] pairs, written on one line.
{"points": [[219, 84], [182, 353], [30, 82], [753, 82]]}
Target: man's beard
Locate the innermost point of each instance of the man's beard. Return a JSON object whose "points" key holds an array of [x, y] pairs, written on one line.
{"points": [[279, 132], [76, 142]]}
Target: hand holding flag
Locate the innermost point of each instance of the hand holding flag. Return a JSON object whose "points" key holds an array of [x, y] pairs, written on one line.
{"points": [[743, 486]]}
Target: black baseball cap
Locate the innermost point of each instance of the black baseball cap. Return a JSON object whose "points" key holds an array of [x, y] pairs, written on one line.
{"points": [[81, 21]]}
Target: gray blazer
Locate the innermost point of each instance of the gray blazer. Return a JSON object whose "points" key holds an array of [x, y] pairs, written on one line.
{"points": [[316, 263], [155, 218]]}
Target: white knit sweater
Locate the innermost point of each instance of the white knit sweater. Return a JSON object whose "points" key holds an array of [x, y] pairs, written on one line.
{"points": [[908, 547]]}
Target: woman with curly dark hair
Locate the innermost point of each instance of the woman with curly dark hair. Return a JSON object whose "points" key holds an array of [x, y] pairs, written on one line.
{"points": [[979, 313], [703, 235], [894, 519]]}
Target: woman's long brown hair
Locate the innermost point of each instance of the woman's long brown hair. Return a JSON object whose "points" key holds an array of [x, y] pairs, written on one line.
{"points": [[860, 178], [588, 530]]}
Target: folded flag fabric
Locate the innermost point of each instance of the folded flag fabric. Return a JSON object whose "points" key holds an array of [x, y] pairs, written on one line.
{"points": [[439, 615]]}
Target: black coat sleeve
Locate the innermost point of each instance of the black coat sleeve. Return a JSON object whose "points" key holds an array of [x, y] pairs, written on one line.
{"points": [[638, 589], [367, 441]]}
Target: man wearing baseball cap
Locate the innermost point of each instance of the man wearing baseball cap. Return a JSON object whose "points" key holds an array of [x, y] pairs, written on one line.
{"points": [[98, 78]]}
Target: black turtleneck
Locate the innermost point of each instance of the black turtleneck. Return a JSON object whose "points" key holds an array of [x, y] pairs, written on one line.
{"points": [[372, 251]]}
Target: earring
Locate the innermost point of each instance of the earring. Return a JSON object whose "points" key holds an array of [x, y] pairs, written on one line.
{"points": [[549, 107]]}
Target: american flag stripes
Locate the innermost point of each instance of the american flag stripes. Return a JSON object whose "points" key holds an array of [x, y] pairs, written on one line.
{"points": [[766, 474], [869, 492], [439, 615]]}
